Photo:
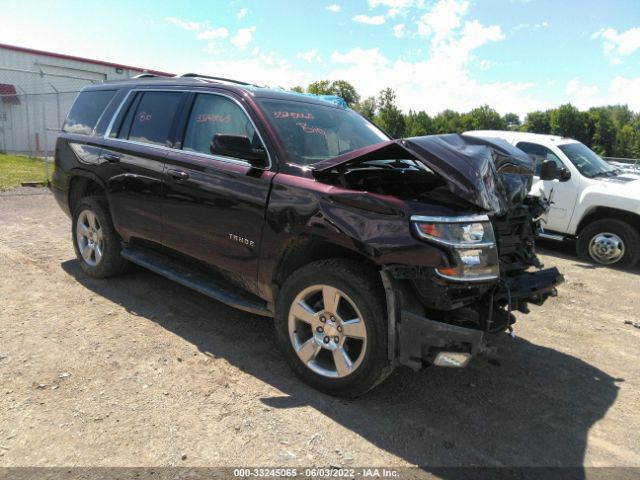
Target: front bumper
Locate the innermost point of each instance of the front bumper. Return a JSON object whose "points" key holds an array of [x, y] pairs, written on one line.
{"points": [[416, 340], [420, 340]]}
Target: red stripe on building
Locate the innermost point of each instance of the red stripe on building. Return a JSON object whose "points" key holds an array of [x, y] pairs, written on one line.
{"points": [[81, 59]]}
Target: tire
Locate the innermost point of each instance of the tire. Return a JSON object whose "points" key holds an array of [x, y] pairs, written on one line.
{"points": [[610, 242], [92, 232], [346, 358]]}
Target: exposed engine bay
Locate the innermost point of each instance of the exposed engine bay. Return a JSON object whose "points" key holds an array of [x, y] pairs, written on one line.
{"points": [[488, 179]]}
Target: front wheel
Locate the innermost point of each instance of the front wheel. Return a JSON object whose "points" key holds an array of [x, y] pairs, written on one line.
{"points": [[331, 325], [609, 242]]}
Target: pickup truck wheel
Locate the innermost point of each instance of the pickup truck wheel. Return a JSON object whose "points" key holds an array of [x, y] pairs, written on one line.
{"points": [[609, 242], [95, 241], [331, 325]]}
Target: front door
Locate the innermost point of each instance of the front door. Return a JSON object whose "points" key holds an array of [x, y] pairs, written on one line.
{"points": [[563, 193], [214, 205]]}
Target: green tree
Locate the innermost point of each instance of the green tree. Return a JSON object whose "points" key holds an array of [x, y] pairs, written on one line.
{"points": [[621, 115], [389, 117], [298, 89], [626, 142], [345, 90], [603, 138], [321, 87], [568, 121], [340, 88], [512, 121], [483, 118], [448, 121], [367, 108], [537, 122], [418, 124]]}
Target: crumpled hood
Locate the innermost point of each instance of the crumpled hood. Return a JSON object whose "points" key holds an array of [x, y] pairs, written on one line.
{"points": [[491, 174]]}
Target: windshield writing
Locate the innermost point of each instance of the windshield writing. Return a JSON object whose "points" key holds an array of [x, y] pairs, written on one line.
{"points": [[312, 133]]}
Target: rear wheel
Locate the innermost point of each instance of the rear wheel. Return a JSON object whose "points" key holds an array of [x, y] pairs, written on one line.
{"points": [[609, 242], [95, 241], [331, 325]]}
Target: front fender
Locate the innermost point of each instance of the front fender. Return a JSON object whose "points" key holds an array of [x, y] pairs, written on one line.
{"points": [[594, 197]]}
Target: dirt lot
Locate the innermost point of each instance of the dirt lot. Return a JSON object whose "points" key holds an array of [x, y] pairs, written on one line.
{"points": [[140, 371]]}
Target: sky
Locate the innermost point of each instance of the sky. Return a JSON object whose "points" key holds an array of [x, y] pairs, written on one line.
{"points": [[514, 55]]}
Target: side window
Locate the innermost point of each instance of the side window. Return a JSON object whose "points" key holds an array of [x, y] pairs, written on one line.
{"points": [[539, 153], [212, 115], [86, 111], [150, 121]]}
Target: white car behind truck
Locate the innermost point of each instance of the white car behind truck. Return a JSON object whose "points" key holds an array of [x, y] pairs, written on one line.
{"points": [[593, 202]]}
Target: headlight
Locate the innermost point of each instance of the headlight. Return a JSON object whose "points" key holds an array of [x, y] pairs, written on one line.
{"points": [[470, 240]]}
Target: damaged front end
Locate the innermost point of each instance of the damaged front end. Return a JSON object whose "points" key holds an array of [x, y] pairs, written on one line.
{"points": [[443, 315]]}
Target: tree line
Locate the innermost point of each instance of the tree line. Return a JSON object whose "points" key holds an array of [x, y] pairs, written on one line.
{"points": [[611, 130]]}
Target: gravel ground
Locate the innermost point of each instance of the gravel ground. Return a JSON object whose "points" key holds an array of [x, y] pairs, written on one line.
{"points": [[139, 371]]}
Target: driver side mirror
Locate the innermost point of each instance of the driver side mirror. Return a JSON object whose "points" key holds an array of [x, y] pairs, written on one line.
{"points": [[238, 146], [549, 170]]}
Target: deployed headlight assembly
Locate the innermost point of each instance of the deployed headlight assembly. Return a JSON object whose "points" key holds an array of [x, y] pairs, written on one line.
{"points": [[470, 240]]}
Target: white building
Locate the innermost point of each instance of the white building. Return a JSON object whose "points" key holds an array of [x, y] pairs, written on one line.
{"points": [[37, 90]]}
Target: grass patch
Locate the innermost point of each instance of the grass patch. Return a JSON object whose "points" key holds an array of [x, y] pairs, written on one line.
{"points": [[15, 169]]}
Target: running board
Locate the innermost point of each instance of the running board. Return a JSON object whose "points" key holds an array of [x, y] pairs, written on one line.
{"points": [[551, 236], [207, 284]]}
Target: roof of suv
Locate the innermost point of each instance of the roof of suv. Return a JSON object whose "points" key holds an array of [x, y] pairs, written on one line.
{"points": [[511, 136], [192, 80]]}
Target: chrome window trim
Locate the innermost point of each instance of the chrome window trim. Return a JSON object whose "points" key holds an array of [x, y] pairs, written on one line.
{"points": [[458, 219], [115, 92], [115, 115], [221, 158]]}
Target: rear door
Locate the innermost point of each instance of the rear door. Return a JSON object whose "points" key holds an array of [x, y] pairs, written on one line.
{"points": [[214, 205], [134, 152]]}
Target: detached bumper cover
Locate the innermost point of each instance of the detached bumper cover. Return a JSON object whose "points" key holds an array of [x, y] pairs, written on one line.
{"points": [[420, 339]]}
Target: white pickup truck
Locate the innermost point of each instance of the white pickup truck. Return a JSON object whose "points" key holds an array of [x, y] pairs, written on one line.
{"points": [[592, 202]]}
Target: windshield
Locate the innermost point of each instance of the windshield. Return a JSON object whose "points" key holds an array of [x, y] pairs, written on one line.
{"points": [[311, 132], [585, 160]]}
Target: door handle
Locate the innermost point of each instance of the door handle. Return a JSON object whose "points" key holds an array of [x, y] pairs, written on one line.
{"points": [[111, 157], [178, 174]]}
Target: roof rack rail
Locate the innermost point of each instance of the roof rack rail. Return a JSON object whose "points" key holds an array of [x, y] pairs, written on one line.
{"points": [[208, 77], [148, 75]]}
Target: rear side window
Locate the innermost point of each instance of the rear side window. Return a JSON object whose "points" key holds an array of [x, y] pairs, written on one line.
{"points": [[86, 111], [212, 115], [151, 119]]}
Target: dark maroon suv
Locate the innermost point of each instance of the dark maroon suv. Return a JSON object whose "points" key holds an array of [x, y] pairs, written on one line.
{"points": [[368, 252]]}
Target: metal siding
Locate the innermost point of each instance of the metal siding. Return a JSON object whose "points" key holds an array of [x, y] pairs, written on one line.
{"points": [[41, 109]]}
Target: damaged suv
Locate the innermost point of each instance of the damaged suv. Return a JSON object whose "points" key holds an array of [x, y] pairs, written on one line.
{"points": [[368, 252]]}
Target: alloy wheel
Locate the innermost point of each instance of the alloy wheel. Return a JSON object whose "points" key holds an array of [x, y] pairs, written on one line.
{"points": [[90, 237], [327, 331]]}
